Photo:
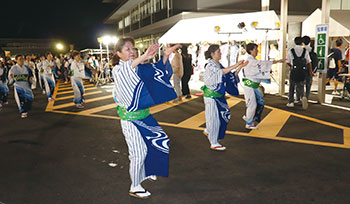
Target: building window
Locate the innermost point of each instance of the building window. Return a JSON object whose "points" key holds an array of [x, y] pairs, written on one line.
{"points": [[164, 4], [156, 4], [346, 4], [335, 4], [127, 21], [121, 24]]}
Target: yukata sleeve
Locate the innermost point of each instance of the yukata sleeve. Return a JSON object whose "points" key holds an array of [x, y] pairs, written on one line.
{"points": [[166, 68], [231, 83], [213, 75]]}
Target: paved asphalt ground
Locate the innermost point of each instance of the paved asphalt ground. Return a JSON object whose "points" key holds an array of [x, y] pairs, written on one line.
{"points": [[53, 158]]}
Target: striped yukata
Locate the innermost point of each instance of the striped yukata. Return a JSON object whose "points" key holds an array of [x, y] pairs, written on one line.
{"points": [[135, 90], [255, 72], [49, 79], [78, 73], [4, 90], [22, 87], [217, 112]]}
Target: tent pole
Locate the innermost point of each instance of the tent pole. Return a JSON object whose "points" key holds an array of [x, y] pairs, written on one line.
{"points": [[283, 68]]}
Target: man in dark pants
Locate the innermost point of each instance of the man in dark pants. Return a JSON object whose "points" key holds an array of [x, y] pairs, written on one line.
{"points": [[187, 64], [333, 72], [298, 84]]}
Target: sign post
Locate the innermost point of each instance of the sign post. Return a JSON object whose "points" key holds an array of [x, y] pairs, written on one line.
{"points": [[321, 45]]}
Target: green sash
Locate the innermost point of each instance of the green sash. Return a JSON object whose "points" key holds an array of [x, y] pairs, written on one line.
{"points": [[251, 84], [132, 115], [21, 77], [207, 92]]}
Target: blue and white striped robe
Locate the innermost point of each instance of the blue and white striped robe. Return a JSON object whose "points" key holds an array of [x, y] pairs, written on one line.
{"points": [[49, 79], [137, 89], [217, 112], [4, 90]]}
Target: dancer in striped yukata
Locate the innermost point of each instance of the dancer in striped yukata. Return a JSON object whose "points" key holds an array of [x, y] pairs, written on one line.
{"points": [[217, 81], [48, 66], [254, 73], [21, 76], [40, 68], [137, 87], [4, 90], [77, 75]]}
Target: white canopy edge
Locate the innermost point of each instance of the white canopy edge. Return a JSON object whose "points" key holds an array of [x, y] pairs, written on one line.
{"points": [[335, 28], [202, 29]]}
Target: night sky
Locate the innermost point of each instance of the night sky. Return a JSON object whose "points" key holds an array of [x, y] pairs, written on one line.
{"points": [[73, 21]]}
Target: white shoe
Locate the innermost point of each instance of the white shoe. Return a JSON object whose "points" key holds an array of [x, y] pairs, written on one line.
{"points": [[335, 93], [44, 92], [79, 106], [139, 192], [304, 103], [217, 147], [152, 178], [290, 105], [244, 118], [24, 115], [251, 127]]}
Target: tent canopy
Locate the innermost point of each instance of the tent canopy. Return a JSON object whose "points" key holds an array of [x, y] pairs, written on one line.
{"points": [[335, 28], [203, 29]]}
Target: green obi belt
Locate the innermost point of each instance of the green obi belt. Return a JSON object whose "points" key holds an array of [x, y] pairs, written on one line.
{"points": [[132, 115], [70, 72], [21, 77], [207, 92], [251, 84]]}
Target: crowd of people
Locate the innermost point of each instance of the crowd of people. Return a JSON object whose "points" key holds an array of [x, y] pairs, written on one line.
{"points": [[26, 73], [141, 82]]}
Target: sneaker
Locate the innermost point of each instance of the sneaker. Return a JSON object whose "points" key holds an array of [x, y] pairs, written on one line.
{"points": [[24, 115], [335, 93], [304, 103], [297, 101], [290, 105], [44, 92], [244, 118], [251, 127], [188, 96], [79, 106]]}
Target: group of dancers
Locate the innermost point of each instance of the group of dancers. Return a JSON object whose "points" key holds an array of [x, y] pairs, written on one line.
{"points": [[139, 86], [22, 76]]}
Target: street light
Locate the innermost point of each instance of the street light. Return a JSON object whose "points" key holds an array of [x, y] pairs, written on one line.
{"points": [[59, 46]]}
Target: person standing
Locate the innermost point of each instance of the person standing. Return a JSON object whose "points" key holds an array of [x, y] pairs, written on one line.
{"points": [[4, 90], [217, 81], [31, 64], [313, 58], [254, 73], [21, 76], [137, 87], [178, 70], [78, 73], [333, 72], [300, 64], [188, 71], [49, 80]]}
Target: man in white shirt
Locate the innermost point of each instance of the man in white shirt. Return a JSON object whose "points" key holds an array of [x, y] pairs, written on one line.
{"points": [[297, 76]]}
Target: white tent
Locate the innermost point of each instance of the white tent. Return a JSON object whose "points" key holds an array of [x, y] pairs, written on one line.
{"points": [[203, 29], [335, 28]]}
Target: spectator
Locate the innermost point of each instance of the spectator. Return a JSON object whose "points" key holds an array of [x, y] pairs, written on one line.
{"points": [[178, 71], [188, 71], [333, 72], [299, 61]]}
